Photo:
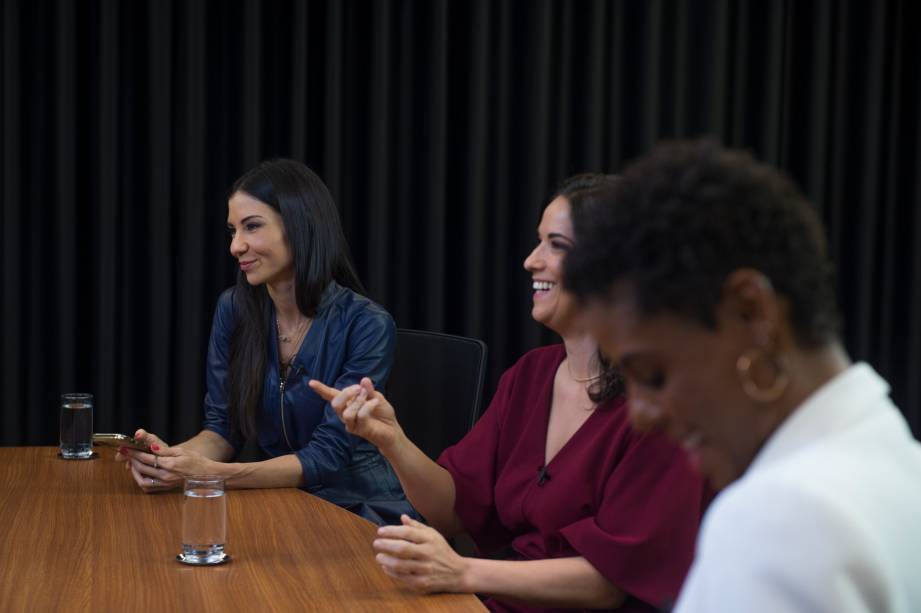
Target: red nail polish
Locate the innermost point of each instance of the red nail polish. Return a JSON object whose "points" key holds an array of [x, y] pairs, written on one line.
{"points": [[155, 447]]}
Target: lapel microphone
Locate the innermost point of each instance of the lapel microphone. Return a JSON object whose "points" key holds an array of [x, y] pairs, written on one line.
{"points": [[543, 475]]}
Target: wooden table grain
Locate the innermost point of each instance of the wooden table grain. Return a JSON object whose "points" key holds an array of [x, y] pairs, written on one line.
{"points": [[80, 536]]}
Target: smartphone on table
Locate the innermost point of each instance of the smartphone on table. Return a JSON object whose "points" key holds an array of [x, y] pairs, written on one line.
{"points": [[119, 440]]}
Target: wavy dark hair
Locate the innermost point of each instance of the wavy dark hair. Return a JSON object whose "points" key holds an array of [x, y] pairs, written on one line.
{"points": [[686, 216], [577, 190], [321, 255]]}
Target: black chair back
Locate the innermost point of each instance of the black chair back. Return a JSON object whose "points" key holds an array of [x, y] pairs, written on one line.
{"points": [[436, 387]]}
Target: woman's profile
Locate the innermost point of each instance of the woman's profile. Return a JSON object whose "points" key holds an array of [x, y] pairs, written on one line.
{"points": [[297, 312], [709, 283], [576, 509]]}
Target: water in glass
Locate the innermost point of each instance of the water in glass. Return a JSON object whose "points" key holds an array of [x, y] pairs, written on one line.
{"points": [[76, 429], [204, 523]]}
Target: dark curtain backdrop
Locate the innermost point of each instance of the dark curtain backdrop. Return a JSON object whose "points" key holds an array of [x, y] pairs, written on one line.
{"points": [[440, 127]]}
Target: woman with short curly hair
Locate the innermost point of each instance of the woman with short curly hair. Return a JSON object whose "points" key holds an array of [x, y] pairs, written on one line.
{"points": [[708, 284]]}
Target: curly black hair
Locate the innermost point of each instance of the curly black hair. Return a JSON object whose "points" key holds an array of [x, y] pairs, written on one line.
{"points": [[686, 216], [579, 189]]}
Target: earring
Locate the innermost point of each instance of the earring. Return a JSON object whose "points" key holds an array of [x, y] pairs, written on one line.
{"points": [[752, 390]]}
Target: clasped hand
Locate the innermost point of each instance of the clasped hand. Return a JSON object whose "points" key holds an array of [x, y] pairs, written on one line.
{"points": [[419, 557], [164, 467]]}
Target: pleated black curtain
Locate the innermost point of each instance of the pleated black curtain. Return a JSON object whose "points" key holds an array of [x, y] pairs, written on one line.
{"points": [[440, 127]]}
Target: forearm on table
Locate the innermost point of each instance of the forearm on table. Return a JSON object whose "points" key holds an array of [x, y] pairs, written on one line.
{"points": [[283, 471], [562, 582], [428, 486], [211, 445]]}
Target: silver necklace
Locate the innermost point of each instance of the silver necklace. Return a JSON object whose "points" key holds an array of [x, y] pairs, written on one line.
{"points": [[295, 346], [286, 338]]}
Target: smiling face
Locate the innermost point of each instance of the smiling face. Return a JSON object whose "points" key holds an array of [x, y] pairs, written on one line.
{"points": [[552, 306], [681, 377], [258, 240]]}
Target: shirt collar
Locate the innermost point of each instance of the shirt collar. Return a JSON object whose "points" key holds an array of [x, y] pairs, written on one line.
{"points": [[843, 400], [329, 296]]}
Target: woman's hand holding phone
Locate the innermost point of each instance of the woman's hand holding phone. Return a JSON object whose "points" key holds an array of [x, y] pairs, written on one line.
{"points": [[143, 460]]}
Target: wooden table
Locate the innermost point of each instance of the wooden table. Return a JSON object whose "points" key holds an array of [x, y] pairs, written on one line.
{"points": [[81, 536]]}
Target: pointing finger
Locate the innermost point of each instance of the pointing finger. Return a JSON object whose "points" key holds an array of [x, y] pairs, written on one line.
{"points": [[324, 391], [344, 398]]}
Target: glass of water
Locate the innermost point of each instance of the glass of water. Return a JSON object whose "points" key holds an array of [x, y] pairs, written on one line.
{"points": [[76, 426], [204, 521]]}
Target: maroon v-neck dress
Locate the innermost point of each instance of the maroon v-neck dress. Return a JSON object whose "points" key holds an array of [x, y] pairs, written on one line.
{"points": [[627, 502]]}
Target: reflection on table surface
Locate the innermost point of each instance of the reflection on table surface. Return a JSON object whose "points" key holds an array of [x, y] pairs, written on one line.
{"points": [[80, 536]]}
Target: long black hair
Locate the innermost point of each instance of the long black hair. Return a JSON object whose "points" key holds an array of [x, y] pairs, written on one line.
{"points": [[321, 255], [577, 190]]}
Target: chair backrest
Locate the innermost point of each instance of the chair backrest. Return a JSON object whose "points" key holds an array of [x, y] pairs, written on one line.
{"points": [[436, 387]]}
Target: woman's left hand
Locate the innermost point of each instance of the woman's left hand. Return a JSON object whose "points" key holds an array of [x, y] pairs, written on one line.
{"points": [[419, 557], [164, 467], [186, 463]]}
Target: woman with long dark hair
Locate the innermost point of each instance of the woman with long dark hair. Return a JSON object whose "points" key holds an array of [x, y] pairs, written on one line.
{"points": [[576, 509], [296, 313]]}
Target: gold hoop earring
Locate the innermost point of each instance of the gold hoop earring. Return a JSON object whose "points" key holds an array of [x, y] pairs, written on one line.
{"points": [[758, 394]]}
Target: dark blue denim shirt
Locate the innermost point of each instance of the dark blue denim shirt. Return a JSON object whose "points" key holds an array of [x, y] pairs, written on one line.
{"points": [[351, 337]]}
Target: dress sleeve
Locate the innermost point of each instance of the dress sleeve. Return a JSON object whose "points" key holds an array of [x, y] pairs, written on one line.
{"points": [[216, 417], [643, 534], [473, 464], [370, 354]]}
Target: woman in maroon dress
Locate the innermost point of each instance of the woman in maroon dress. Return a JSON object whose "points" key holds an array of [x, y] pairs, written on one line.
{"points": [[583, 511]]}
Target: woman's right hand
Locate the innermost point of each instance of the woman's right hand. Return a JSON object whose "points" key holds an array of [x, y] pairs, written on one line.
{"points": [[144, 466], [364, 411]]}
